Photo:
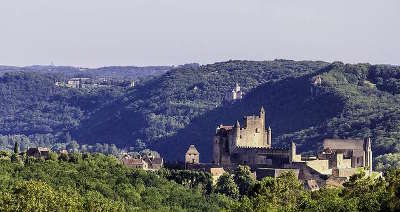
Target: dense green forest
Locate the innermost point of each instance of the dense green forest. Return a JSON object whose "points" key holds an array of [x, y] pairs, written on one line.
{"points": [[95, 182], [184, 105]]}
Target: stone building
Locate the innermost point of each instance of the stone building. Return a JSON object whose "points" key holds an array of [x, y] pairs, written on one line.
{"points": [[136, 163], [39, 152], [339, 159], [250, 144], [316, 86], [142, 162], [236, 94], [77, 82], [192, 155], [349, 153]]}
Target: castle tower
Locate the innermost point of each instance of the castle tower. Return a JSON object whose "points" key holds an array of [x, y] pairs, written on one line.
{"points": [[234, 96], [293, 156], [236, 135], [217, 146], [262, 116], [192, 156], [269, 137], [368, 154], [237, 87]]}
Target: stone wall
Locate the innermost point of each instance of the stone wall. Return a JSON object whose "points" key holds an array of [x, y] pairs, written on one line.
{"points": [[322, 166], [347, 172]]}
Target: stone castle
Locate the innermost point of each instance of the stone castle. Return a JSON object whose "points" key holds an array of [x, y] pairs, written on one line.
{"points": [[251, 145]]}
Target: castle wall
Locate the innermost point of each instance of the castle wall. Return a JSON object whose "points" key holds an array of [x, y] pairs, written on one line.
{"points": [[319, 165], [306, 172], [192, 158], [216, 149], [342, 163], [358, 159], [345, 172], [271, 172]]}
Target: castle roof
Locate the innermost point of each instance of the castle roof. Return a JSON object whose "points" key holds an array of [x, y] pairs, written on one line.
{"points": [[132, 161], [343, 144], [226, 127], [192, 150], [43, 149], [154, 161], [157, 161]]}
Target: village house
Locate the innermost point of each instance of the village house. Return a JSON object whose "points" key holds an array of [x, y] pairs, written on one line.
{"points": [[39, 152], [142, 162]]}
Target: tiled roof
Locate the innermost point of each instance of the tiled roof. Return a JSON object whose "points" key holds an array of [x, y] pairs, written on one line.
{"points": [[157, 161], [132, 161], [43, 149], [226, 127], [192, 150], [354, 144]]}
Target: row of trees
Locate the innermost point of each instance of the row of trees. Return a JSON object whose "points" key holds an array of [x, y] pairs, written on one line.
{"points": [[95, 182]]}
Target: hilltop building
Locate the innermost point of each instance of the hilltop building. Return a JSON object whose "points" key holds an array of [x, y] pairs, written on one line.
{"points": [[316, 86], [236, 94], [77, 82]]}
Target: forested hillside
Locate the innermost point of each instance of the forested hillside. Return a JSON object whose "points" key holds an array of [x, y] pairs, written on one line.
{"points": [[30, 103], [183, 106]]}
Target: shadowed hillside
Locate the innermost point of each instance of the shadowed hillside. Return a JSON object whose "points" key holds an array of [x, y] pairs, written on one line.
{"points": [[289, 108], [158, 109]]}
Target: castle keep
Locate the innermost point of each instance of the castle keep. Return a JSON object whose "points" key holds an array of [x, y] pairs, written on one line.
{"points": [[236, 144]]}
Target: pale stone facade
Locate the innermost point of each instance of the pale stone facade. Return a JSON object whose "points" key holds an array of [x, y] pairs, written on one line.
{"points": [[192, 155]]}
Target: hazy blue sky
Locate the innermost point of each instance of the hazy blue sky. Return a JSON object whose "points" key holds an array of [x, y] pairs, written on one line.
{"points": [[161, 32]]}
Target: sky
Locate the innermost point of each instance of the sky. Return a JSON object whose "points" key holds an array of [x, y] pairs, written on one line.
{"points": [[94, 33]]}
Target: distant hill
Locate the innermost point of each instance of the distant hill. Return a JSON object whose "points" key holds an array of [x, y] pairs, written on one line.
{"points": [[115, 72], [183, 106]]}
